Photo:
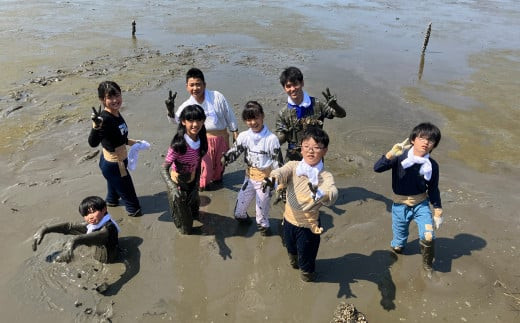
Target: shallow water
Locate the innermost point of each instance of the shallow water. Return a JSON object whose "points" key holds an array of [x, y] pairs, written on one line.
{"points": [[54, 53]]}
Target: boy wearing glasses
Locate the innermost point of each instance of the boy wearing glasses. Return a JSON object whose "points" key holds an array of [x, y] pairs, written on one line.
{"points": [[309, 187], [415, 179]]}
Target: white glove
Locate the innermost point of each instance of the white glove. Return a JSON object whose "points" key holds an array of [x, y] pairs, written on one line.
{"points": [[437, 218], [398, 149]]}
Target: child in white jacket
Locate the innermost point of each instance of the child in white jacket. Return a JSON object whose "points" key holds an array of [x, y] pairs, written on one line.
{"points": [[262, 154]]}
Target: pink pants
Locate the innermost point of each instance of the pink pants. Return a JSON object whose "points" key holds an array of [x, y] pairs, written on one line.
{"points": [[211, 166]]}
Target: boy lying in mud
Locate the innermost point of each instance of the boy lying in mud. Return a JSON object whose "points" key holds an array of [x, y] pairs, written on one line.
{"points": [[99, 230]]}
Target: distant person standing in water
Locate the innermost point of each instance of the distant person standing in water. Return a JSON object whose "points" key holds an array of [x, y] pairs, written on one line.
{"points": [[219, 116], [110, 129]]}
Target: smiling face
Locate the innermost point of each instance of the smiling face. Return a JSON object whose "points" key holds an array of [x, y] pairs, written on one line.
{"points": [[295, 91], [312, 152], [422, 146], [196, 87], [112, 103], [93, 217], [192, 128], [255, 124]]}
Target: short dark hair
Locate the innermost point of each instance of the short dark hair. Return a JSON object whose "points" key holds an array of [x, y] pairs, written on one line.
{"points": [[291, 74], [91, 204], [428, 131], [108, 88], [252, 110], [319, 135], [196, 74]]}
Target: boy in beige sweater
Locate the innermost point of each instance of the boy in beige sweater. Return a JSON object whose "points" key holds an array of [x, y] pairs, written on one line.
{"points": [[308, 187]]}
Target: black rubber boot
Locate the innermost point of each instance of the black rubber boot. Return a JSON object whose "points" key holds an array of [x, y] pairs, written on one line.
{"points": [[428, 252], [307, 277], [293, 261]]}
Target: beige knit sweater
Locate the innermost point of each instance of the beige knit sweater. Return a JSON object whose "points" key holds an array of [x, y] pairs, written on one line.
{"points": [[299, 195]]}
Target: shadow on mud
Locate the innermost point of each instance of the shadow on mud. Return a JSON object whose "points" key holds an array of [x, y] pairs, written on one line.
{"points": [[130, 256], [358, 194], [352, 267]]}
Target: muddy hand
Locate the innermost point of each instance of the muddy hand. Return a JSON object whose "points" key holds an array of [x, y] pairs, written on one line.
{"points": [[66, 254], [268, 183], [96, 117], [314, 190], [329, 98], [225, 160], [170, 104], [38, 237]]}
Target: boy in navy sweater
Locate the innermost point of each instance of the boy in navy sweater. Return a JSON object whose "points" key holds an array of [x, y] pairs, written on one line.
{"points": [[415, 179]]}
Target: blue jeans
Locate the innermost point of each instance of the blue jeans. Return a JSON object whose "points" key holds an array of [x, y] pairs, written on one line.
{"points": [[302, 242], [119, 187], [402, 215]]}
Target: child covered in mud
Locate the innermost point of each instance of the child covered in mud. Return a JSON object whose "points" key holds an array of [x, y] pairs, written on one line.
{"points": [[99, 230], [219, 117], [182, 166], [110, 129], [308, 186], [301, 111], [415, 183], [262, 154]]}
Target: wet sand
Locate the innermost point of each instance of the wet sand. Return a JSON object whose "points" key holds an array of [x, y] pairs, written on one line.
{"points": [[368, 53]]}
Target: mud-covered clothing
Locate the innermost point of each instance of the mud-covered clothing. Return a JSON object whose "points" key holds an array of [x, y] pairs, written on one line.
{"points": [[261, 155], [299, 194], [113, 136], [106, 240], [412, 195], [219, 117], [184, 168], [301, 227], [111, 243], [184, 171], [292, 121], [408, 182], [261, 150]]}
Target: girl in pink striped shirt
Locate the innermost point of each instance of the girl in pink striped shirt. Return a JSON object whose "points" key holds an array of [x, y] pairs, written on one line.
{"points": [[181, 167]]}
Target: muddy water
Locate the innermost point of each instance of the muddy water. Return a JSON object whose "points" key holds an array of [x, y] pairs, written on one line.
{"points": [[54, 53]]}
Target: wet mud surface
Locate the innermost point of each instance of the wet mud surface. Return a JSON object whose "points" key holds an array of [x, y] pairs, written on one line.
{"points": [[367, 53]]}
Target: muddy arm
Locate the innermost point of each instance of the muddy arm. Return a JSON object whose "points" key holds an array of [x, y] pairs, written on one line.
{"points": [[64, 228]]}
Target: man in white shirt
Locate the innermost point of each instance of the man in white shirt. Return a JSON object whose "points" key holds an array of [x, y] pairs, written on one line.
{"points": [[219, 117]]}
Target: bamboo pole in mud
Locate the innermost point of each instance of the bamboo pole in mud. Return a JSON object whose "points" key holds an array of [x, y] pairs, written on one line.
{"points": [[427, 37], [421, 66], [425, 44], [133, 27]]}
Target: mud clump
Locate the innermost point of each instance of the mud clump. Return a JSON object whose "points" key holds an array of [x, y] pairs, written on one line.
{"points": [[347, 313]]}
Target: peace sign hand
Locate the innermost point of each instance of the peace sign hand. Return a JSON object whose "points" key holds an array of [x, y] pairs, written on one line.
{"points": [[96, 117], [170, 104]]}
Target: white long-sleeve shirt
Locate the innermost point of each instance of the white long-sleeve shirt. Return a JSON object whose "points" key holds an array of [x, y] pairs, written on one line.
{"points": [[219, 115]]}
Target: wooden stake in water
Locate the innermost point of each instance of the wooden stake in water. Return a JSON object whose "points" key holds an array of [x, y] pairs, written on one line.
{"points": [[427, 37], [133, 28]]}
